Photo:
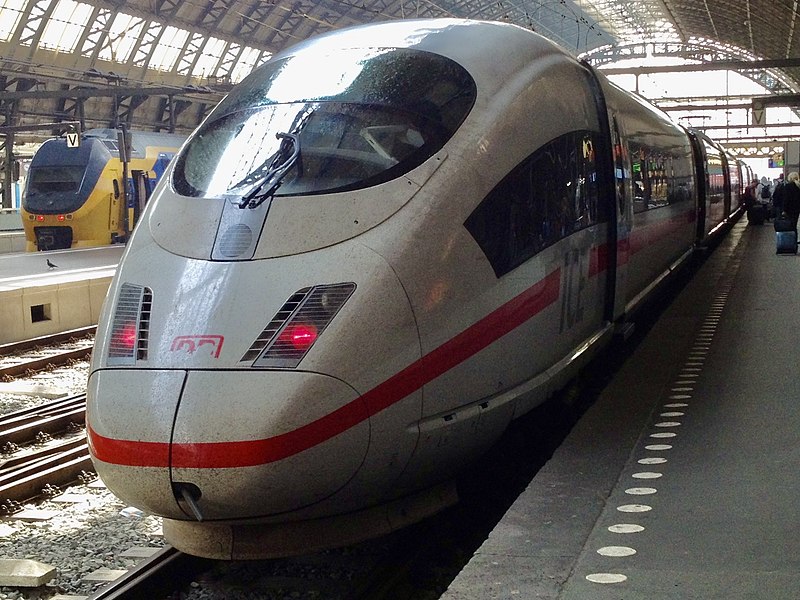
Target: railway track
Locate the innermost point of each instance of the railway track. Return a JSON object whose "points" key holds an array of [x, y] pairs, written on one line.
{"points": [[38, 466], [34, 365], [47, 340], [36, 463], [50, 417], [155, 577], [379, 570], [37, 354]]}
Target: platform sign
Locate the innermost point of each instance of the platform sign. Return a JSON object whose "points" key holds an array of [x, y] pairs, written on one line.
{"points": [[73, 139], [776, 161], [758, 113]]}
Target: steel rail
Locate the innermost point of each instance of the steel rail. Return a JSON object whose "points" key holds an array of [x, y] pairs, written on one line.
{"points": [[155, 577], [22, 426], [28, 479], [46, 340], [39, 364], [28, 475]]}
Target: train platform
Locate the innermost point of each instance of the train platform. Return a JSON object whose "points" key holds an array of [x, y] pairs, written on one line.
{"points": [[42, 293], [683, 480], [12, 241]]}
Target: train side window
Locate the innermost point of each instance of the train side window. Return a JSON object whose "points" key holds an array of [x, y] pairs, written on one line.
{"points": [[116, 188], [550, 195], [716, 178], [659, 178]]}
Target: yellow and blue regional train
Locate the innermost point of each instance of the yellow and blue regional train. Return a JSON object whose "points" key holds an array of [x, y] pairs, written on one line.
{"points": [[86, 195]]}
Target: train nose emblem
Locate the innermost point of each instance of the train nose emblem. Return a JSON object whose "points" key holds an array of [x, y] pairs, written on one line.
{"points": [[192, 343]]}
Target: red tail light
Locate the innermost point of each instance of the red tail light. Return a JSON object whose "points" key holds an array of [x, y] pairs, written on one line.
{"points": [[300, 336], [125, 338], [299, 323], [131, 325]]}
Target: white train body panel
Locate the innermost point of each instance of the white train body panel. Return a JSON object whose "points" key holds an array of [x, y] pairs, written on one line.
{"points": [[457, 265]]}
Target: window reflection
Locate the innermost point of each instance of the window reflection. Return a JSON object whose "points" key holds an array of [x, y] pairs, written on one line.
{"points": [[360, 120], [551, 195], [660, 178]]}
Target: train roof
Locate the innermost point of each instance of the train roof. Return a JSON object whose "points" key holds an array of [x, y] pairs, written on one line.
{"points": [[471, 43], [139, 139]]}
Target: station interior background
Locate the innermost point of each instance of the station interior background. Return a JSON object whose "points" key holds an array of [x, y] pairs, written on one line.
{"points": [[196, 44]]}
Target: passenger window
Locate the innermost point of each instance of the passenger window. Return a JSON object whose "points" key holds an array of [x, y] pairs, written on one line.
{"points": [[658, 178], [550, 195], [716, 178]]}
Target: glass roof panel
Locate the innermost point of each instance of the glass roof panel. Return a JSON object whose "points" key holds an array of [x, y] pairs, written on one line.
{"points": [[209, 59], [169, 48], [246, 63], [65, 26], [122, 35], [10, 13], [633, 20]]}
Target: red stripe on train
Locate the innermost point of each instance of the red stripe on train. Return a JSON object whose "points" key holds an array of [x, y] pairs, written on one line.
{"points": [[233, 454]]}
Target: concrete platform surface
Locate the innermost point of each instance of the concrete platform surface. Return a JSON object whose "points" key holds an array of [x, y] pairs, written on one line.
{"points": [[12, 241], [681, 482], [26, 269], [38, 299]]}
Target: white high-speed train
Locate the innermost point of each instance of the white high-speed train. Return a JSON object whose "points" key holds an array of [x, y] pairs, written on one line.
{"points": [[380, 248]]}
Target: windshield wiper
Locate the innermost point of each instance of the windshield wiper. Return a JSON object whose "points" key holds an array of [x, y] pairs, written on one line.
{"points": [[265, 188]]}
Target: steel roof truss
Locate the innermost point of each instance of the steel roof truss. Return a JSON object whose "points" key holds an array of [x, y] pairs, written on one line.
{"points": [[191, 54], [229, 59], [215, 12], [125, 107], [168, 110], [38, 13], [167, 9], [96, 34]]}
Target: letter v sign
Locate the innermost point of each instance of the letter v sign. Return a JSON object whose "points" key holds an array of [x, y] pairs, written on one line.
{"points": [[73, 139]]}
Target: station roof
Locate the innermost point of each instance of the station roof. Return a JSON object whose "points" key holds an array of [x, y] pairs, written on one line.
{"points": [[163, 64]]}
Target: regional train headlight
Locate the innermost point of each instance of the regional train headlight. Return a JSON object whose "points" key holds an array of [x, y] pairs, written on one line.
{"points": [[295, 328]]}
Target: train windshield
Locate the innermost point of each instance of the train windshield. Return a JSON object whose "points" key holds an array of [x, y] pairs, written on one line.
{"points": [[354, 119], [53, 189], [64, 179]]}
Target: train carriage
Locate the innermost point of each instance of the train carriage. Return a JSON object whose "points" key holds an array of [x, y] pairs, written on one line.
{"points": [[363, 277]]}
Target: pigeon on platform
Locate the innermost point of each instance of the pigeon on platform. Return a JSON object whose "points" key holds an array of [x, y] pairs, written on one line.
{"points": [[51, 265]]}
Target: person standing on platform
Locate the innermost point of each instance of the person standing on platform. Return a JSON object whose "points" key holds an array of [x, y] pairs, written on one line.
{"points": [[777, 197], [756, 210], [791, 197], [763, 194], [751, 194], [764, 190]]}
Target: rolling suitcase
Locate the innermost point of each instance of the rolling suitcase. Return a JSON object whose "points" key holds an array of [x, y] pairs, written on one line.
{"points": [[785, 236], [786, 242], [756, 214]]}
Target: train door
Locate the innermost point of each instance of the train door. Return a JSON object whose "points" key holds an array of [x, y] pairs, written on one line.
{"points": [[733, 188], [140, 187], [608, 183], [624, 215], [116, 213], [701, 183]]}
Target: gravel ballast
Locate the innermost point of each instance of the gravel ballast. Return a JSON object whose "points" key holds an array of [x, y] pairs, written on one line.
{"points": [[88, 528]]}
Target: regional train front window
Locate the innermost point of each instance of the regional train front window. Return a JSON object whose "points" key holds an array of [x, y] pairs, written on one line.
{"points": [[370, 119], [65, 180]]}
